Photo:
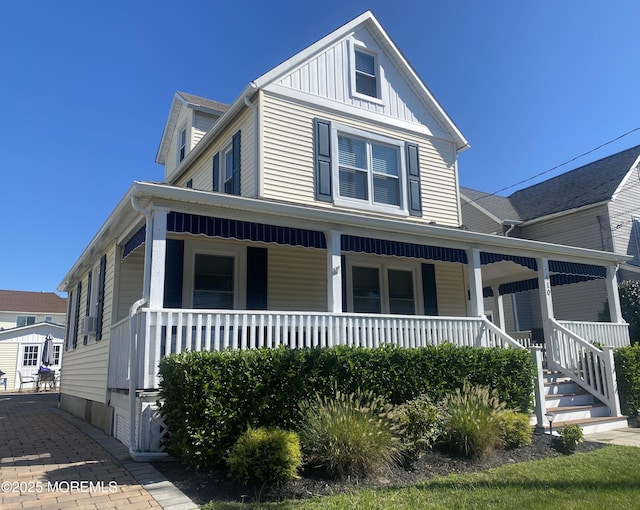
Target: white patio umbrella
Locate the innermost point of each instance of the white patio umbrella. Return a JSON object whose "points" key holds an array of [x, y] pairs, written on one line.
{"points": [[47, 351]]}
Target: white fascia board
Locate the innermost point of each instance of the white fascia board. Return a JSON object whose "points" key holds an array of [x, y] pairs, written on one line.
{"points": [[394, 53], [562, 213], [345, 221], [480, 209], [634, 168], [174, 113], [356, 113], [110, 230], [218, 126]]}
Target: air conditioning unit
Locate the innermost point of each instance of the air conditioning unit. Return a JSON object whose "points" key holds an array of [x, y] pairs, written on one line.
{"points": [[90, 325]]}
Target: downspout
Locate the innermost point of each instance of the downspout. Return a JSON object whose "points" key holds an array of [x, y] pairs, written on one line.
{"points": [[256, 142], [512, 224], [133, 323]]}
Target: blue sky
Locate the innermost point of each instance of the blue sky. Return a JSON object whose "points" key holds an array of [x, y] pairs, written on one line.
{"points": [[86, 89]]}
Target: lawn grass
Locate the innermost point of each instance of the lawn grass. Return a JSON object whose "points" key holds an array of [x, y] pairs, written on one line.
{"points": [[608, 478]]}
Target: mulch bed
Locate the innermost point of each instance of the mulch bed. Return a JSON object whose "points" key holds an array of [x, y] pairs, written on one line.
{"points": [[204, 486]]}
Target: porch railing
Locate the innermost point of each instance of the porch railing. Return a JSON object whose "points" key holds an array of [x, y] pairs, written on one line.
{"points": [[588, 366], [168, 331], [604, 333]]}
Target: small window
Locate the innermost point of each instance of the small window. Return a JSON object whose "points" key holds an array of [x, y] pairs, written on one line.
{"points": [[56, 354], [366, 73], [182, 145], [48, 318], [30, 356], [25, 320], [190, 183]]}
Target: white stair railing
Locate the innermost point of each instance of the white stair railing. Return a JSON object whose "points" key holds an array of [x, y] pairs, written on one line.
{"points": [[591, 368]]}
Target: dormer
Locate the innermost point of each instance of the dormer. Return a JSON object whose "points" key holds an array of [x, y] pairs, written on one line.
{"points": [[189, 120]]}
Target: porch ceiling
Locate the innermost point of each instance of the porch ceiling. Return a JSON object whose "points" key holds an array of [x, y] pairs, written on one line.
{"points": [[504, 271]]}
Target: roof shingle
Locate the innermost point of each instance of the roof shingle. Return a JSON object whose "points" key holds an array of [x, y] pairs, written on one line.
{"points": [[35, 302]]}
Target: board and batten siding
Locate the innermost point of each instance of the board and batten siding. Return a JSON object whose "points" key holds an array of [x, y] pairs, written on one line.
{"points": [[328, 75], [289, 169], [297, 279], [579, 228], [201, 170], [85, 368]]}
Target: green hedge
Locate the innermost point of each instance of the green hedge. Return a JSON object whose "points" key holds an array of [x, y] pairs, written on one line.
{"points": [[210, 398], [627, 360]]}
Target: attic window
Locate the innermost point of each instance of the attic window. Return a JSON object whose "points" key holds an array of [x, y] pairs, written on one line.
{"points": [[182, 145], [365, 74]]}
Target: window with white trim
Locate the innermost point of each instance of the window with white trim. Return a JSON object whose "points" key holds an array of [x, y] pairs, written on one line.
{"points": [[369, 170], [25, 320], [213, 282], [365, 73], [382, 288], [30, 356], [57, 350], [182, 144]]}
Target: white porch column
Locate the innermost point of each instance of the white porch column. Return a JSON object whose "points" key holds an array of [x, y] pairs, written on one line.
{"points": [[499, 308], [334, 272], [475, 282], [546, 306], [158, 255], [614, 298]]}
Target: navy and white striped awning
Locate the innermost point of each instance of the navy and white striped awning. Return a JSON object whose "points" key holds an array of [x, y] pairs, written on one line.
{"points": [[244, 230], [532, 284], [490, 258], [136, 240], [572, 268], [400, 249]]}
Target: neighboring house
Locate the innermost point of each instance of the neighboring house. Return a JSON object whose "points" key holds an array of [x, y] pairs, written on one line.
{"points": [[20, 308], [320, 207], [595, 206], [21, 351]]}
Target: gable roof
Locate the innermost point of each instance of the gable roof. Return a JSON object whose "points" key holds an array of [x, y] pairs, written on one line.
{"points": [[369, 20], [499, 207], [32, 302], [181, 99], [590, 184]]}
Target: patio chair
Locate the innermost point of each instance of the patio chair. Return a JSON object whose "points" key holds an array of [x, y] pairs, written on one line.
{"points": [[25, 379]]}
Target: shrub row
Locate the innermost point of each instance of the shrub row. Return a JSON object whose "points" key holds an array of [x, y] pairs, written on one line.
{"points": [[627, 361], [210, 398]]}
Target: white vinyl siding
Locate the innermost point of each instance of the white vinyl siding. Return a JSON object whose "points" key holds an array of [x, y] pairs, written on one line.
{"points": [[289, 168], [580, 228], [130, 282], [622, 211], [8, 362], [201, 124], [172, 159], [85, 367], [297, 279], [201, 171]]}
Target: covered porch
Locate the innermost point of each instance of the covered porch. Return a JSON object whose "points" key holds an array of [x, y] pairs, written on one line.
{"points": [[212, 277]]}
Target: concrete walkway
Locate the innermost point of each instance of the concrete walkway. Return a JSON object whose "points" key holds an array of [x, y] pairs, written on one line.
{"points": [[622, 437], [52, 460]]}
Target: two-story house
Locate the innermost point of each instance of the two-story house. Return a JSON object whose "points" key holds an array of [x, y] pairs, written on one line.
{"points": [[320, 207], [594, 206], [26, 319]]}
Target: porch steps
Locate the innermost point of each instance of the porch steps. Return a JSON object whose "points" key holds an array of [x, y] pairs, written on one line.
{"points": [[571, 405]]}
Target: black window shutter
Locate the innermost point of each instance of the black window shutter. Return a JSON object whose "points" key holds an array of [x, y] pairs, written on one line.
{"points": [[85, 340], [322, 158], [68, 329], [101, 284], [174, 263], [236, 163], [413, 179], [256, 278], [429, 290], [216, 172], [76, 319]]}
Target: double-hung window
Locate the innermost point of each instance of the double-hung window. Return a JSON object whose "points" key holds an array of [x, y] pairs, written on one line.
{"points": [[227, 162], [182, 145], [25, 320], [366, 73], [369, 171]]}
